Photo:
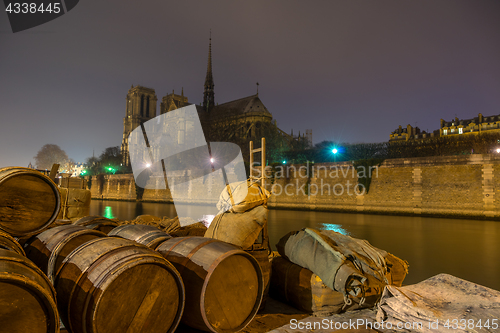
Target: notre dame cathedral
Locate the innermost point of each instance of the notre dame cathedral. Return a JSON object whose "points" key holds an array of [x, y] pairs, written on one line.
{"points": [[238, 121]]}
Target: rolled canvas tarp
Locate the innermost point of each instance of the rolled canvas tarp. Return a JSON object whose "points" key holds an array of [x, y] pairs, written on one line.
{"points": [[348, 265]]}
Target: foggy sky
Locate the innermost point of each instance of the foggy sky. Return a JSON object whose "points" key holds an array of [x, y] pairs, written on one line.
{"points": [[351, 71]]}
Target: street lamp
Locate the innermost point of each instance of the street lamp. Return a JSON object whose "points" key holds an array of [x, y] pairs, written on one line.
{"points": [[334, 152]]}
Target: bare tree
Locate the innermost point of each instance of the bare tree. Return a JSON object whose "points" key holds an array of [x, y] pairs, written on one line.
{"points": [[50, 154]]}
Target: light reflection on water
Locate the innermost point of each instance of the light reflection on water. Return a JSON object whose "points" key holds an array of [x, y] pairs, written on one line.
{"points": [[108, 212], [334, 227], [469, 249]]}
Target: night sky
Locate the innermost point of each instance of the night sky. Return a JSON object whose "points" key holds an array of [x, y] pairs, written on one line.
{"points": [[351, 71]]}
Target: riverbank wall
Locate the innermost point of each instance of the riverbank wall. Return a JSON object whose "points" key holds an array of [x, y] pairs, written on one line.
{"points": [[456, 186]]}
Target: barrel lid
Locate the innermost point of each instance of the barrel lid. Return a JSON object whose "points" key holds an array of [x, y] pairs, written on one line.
{"points": [[30, 201]]}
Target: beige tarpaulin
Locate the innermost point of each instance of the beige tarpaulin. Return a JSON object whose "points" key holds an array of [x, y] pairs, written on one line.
{"points": [[403, 308], [442, 303]]}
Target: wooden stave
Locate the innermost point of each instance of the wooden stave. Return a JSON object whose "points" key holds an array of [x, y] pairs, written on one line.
{"points": [[10, 172], [70, 302], [45, 248], [194, 314], [91, 219], [19, 270], [103, 226], [147, 235], [262, 257], [8, 242]]}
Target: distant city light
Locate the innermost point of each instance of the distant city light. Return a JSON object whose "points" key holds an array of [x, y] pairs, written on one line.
{"points": [[111, 169]]}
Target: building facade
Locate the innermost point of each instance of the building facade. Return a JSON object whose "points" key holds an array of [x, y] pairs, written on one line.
{"points": [[237, 121], [140, 107], [454, 128]]}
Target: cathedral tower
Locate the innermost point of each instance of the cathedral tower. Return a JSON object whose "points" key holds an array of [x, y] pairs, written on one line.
{"points": [[208, 94], [173, 101], [141, 106]]}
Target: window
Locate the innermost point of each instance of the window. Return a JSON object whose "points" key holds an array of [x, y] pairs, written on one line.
{"points": [[460, 130], [445, 132], [452, 130]]}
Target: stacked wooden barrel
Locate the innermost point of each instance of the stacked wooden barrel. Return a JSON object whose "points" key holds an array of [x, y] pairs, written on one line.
{"points": [[225, 283], [27, 298], [143, 234], [49, 248], [97, 223], [262, 257], [7, 242], [30, 201], [116, 285]]}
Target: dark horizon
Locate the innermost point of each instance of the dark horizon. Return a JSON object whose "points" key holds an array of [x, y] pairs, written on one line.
{"points": [[352, 71]]}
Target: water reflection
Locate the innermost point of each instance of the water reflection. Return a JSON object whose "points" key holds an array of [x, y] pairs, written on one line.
{"points": [[468, 249], [334, 227], [108, 212]]}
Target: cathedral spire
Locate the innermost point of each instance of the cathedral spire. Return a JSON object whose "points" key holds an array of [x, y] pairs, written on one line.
{"points": [[208, 94]]}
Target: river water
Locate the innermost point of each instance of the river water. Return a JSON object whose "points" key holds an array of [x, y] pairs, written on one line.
{"points": [[469, 249]]}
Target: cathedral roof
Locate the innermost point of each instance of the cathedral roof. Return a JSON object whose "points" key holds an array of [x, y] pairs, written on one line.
{"points": [[242, 106]]}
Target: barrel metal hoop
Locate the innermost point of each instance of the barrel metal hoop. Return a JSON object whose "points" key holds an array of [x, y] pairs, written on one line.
{"points": [[51, 265]]}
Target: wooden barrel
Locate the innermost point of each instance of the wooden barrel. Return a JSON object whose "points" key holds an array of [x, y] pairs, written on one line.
{"points": [[116, 285], [103, 226], [29, 201], [262, 257], [7, 242], [224, 282], [95, 222], [60, 222], [304, 290], [27, 299], [143, 234], [48, 249]]}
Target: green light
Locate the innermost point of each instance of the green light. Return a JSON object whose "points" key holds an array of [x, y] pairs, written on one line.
{"points": [[108, 212], [334, 150], [284, 162]]}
